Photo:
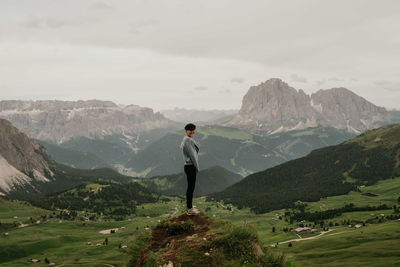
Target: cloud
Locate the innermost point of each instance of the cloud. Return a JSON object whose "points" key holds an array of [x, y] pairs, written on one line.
{"points": [[99, 6], [295, 78], [225, 91], [388, 85], [237, 80], [51, 22], [201, 88], [320, 82], [32, 22], [335, 79], [136, 26]]}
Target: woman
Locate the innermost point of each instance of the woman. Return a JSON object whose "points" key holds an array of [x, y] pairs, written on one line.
{"points": [[190, 150]]}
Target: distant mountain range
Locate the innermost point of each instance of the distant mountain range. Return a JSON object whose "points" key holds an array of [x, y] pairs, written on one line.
{"points": [[334, 170], [233, 149], [59, 121], [273, 106]]}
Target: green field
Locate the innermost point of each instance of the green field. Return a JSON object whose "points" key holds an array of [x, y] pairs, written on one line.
{"points": [[375, 244]]}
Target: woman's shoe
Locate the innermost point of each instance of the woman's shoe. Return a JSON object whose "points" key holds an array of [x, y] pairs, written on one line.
{"points": [[192, 211]]}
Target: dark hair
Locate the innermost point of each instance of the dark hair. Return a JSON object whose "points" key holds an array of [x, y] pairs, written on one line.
{"points": [[190, 126]]}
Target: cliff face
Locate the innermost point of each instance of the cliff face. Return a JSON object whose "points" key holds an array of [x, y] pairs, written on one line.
{"points": [[273, 106], [21, 159], [58, 121]]}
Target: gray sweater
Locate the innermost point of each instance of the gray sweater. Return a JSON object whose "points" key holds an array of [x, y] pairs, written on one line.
{"points": [[190, 150]]}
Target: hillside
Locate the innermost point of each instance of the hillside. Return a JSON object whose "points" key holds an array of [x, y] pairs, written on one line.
{"points": [[208, 181], [113, 150], [232, 149], [111, 200], [335, 170], [73, 158], [200, 241], [28, 172]]}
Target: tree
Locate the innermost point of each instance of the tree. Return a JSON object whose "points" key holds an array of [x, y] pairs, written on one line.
{"points": [[273, 229], [106, 240]]}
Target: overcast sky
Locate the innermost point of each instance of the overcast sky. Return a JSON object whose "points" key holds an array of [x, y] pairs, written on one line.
{"points": [[196, 54]]}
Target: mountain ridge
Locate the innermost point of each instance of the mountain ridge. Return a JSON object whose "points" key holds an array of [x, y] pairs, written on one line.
{"points": [[273, 106]]}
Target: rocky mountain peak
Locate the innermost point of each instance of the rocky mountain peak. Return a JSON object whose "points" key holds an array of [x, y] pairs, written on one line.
{"points": [[273, 106]]}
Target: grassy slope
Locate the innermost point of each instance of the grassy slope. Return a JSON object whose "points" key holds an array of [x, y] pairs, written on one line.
{"points": [[366, 159], [68, 240]]}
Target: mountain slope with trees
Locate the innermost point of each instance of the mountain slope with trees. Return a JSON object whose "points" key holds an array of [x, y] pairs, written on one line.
{"points": [[335, 170]]}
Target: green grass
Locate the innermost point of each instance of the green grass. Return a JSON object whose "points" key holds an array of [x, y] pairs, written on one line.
{"points": [[372, 245]]}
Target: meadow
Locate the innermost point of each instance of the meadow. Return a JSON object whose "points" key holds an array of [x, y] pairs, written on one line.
{"points": [[65, 242]]}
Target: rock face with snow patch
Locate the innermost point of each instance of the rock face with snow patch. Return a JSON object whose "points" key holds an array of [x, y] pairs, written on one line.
{"points": [[21, 159], [58, 121], [273, 106]]}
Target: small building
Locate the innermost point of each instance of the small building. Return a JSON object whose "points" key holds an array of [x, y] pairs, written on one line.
{"points": [[124, 246], [303, 230], [357, 226]]}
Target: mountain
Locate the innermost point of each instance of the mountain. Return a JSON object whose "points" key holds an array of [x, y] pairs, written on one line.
{"points": [[22, 161], [233, 149], [208, 181], [196, 115], [27, 171], [112, 151], [58, 121], [334, 170], [73, 158], [273, 106]]}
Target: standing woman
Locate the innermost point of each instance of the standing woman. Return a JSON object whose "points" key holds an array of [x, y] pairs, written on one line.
{"points": [[190, 150]]}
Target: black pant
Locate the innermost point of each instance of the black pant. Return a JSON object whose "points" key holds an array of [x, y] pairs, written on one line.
{"points": [[190, 171]]}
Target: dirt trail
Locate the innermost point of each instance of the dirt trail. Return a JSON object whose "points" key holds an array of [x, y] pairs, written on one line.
{"points": [[312, 237]]}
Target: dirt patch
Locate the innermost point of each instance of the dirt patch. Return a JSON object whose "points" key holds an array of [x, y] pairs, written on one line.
{"points": [[167, 244], [397, 158], [108, 231]]}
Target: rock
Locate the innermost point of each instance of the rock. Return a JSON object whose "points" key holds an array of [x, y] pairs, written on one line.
{"points": [[273, 106], [169, 264]]}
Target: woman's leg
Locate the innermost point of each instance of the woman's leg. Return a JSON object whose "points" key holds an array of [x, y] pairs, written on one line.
{"points": [[190, 171]]}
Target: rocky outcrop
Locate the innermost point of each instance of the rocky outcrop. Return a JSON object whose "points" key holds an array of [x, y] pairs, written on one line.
{"points": [[59, 121], [21, 159], [273, 106]]}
